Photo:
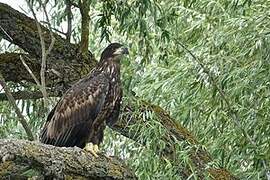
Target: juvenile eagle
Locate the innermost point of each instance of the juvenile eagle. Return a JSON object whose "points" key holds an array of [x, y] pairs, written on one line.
{"points": [[80, 117]]}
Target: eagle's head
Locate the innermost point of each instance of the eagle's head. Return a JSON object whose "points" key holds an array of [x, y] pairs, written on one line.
{"points": [[113, 52]]}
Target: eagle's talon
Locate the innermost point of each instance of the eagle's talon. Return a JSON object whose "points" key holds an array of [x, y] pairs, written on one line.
{"points": [[89, 147], [95, 148]]}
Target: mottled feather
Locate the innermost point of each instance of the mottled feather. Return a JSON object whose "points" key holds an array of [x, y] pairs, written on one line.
{"points": [[76, 111]]}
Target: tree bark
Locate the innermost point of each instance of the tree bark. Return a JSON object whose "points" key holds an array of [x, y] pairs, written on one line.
{"points": [[200, 158], [84, 6], [64, 57], [23, 159]]}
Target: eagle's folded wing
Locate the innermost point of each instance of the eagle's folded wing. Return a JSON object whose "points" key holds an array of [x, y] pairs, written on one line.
{"points": [[72, 117]]}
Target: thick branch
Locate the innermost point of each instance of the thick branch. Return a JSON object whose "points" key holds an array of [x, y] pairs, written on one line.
{"points": [[25, 159], [24, 95], [24, 33], [64, 57], [13, 69], [58, 74]]}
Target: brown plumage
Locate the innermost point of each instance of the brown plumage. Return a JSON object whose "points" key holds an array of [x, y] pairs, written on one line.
{"points": [[81, 115]]}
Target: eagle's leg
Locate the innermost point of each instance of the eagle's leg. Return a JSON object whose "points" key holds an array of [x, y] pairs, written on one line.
{"points": [[89, 147], [95, 140]]}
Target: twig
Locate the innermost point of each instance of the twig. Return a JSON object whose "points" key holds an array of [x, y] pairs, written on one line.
{"points": [[43, 57], [8, 36], [50, 28], [17, 110], [234, 115], [54, 29], [44, 52], [30, 71]]}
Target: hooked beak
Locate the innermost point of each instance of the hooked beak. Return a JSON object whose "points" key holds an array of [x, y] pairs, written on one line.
{"points": [[125, 50], [121, 50]]}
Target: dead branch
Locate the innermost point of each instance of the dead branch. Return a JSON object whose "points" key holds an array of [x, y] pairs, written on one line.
{"points": [[17, 110], [45, 52], [30, 72], [24, 159]]}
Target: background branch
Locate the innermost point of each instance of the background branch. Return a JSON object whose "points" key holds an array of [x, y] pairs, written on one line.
{"points": [[11, 67], [84, 6], [17, 110], [24, 95], [69, 19], [44, 52], [23, 29]]}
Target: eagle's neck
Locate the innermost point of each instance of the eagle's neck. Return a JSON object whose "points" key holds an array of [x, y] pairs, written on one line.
{"points": [[111, 69]]}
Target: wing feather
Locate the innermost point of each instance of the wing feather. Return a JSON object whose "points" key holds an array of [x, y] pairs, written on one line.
{"points": [[73, 115]]}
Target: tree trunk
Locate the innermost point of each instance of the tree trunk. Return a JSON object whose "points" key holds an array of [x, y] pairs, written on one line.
{"points": [[14, 26]]}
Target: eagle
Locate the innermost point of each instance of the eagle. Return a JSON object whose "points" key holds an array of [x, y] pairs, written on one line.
{"points": [[81, 115]]}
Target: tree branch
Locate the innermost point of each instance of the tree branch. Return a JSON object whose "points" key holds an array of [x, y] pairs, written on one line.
{"points": [[24, 159], [24, 95], [84, 6], [11, 67], [17, 110], [24, 33], [45, 52], [69, 19], [31, 73], [175, 134]]}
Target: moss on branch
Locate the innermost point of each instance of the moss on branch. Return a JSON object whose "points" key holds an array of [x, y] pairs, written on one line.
{"points": [[25, 159]]}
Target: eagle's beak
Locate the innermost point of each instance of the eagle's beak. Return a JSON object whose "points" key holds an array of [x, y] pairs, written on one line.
{"points": [[121, 50], [125, 50]]}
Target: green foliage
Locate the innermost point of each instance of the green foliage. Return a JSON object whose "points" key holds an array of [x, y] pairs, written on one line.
{"points": [[231, 38]]}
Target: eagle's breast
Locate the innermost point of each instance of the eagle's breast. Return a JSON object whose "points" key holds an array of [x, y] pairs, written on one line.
{"points": [[112, 71]]}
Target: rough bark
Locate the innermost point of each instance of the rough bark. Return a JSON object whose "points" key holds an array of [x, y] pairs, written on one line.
{"points": [[64, 57], [24, 159], [13, 69], [24, 95], [176, 133]]}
